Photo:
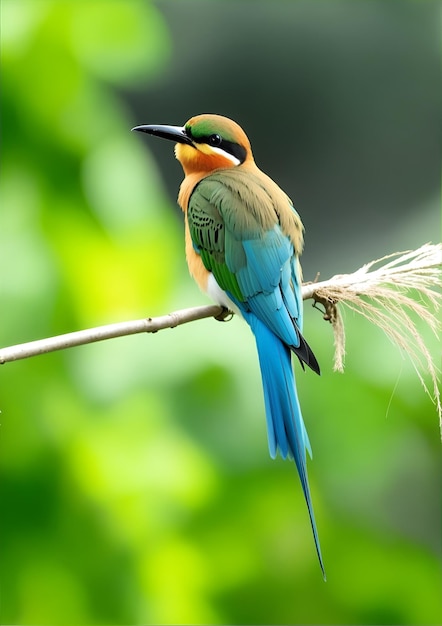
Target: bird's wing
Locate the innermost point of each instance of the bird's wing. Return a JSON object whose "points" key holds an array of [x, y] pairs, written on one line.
{"points": [[238, 235]]}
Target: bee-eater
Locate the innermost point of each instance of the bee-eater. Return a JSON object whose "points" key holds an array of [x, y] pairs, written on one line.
{"points": [[243, 239]]}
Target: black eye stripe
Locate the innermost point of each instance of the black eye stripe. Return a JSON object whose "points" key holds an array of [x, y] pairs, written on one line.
{"points": [[239, 152], [215, 140]]}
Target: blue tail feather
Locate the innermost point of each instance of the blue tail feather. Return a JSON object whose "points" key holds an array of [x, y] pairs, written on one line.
{"points": [[285, 426]]}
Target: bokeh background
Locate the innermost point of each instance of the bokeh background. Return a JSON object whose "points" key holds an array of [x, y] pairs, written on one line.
{"points": [[136, 485]]}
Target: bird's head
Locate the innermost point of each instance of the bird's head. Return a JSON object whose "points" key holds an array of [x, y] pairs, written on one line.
{"points": [[205, 143]]}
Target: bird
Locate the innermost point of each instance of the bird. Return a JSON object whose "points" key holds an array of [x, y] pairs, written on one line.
{"points": [[243, 239]]}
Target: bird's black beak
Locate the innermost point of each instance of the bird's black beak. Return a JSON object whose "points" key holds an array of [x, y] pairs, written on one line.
{"points": [[174, 133]]}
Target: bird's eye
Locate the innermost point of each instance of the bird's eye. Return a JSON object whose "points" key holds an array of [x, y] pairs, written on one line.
{"points": [[215, 140]]}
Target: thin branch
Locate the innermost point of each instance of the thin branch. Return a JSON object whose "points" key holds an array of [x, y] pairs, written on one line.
{"points": [[110, 331], [390, 292]]}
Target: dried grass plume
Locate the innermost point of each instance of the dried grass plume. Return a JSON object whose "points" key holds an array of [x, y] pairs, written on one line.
{"points": [[393, 293]]}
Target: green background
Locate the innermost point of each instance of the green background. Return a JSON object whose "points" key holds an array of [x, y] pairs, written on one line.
{"points": [[136, 485]]}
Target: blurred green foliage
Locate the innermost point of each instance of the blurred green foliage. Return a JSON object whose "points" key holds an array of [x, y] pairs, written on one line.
{"points": [[135, 481]]}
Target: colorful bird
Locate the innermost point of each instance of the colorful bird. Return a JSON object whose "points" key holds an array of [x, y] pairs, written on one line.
{"points": [[243, 240]]}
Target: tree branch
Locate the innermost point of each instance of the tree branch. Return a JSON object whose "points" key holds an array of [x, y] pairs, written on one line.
{"points": [[380, 291], [110, 331]]}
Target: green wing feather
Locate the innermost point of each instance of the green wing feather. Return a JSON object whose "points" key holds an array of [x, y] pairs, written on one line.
{"points": [[227, 209], [210, 237]]}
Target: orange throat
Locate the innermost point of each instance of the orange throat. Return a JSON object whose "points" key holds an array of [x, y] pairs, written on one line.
{"points": [[194, 160]]}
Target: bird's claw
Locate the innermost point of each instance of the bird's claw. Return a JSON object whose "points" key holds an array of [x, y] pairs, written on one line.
{"points": [[225, 315]]}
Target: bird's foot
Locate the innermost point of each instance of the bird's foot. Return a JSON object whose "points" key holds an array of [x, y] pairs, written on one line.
{"points": [[225, 315]]}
